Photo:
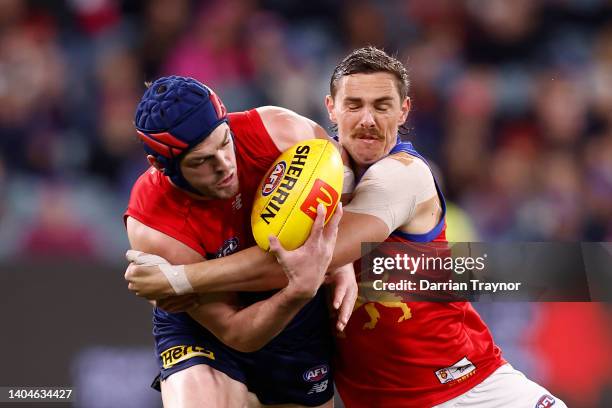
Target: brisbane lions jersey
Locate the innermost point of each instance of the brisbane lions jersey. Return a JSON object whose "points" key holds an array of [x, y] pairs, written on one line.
{"points": [[396, 353], [213, 228]]}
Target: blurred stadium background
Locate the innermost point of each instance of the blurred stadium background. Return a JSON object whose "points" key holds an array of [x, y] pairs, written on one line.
{"points": [[512, 100]]}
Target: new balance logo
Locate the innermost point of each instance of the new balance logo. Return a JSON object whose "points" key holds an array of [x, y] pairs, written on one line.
{"points": [[318, 387]]}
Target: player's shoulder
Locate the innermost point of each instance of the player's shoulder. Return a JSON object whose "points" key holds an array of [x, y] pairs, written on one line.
{"points": [[286, 127], [398, 164], [150, 182], [280, 123], [153, 193], [399, 175], [158, 211], [408, 160], [145, 181], [269, 114]]}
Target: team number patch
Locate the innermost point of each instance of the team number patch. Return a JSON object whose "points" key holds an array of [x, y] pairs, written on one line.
{"points": [[176, 354]]}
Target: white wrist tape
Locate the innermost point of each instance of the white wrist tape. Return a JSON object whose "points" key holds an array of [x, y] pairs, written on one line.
{"points": [[174, 273], [177, 278]]}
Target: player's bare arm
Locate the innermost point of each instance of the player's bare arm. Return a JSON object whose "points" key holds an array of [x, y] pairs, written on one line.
{"points": [[287, 128], [377, 209], [251, 328], [219, 275]]}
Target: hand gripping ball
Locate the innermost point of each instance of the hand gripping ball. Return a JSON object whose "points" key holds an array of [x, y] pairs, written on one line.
{"points": [[285, 204]]}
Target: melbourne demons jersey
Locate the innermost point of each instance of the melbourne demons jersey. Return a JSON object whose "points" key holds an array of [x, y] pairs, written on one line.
{"points": [[213, 228], [412, 354], [216, 228]]}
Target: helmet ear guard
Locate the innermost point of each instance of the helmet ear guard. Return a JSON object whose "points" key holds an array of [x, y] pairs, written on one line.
{"points": [[164, 165], [163, 144], [174, 115]]}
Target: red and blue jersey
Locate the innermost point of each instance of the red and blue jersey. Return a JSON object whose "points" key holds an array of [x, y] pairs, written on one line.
{"points": [[397, 353], [277, 373]]}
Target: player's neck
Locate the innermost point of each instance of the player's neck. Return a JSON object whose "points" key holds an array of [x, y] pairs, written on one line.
{"points": [[358, 169]]}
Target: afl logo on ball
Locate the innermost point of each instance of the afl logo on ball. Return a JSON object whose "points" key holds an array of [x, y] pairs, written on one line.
{"points": [[273, 180]]}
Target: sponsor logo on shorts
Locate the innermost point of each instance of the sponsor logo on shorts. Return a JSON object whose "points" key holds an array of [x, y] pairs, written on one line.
{"points": [[177, 354], [229, 247], [545, 401], [459, 371], [316, 373], [321, 193], [273, 179], [319, 387]]}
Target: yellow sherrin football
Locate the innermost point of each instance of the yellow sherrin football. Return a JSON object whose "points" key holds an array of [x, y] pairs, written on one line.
{"points": [[285, 204]]}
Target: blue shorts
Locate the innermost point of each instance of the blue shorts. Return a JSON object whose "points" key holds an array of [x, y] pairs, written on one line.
{"points": [[295, 367]]}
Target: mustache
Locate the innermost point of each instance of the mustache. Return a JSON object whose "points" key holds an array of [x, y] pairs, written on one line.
{"points": [[370, 133]]}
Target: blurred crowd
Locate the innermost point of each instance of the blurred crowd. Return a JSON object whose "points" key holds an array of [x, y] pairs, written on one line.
{"points": [[512, 101]]}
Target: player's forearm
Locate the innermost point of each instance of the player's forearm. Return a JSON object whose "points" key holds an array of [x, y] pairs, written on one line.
{"points": [[253, 329], [346, 252], [355, 229], [250, 329], [348, 246], [249, 270], [255, 270]]}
